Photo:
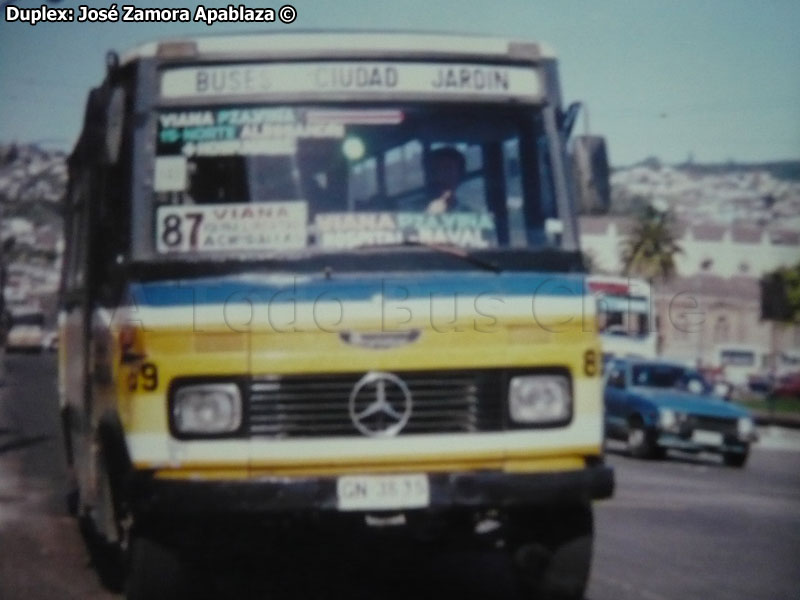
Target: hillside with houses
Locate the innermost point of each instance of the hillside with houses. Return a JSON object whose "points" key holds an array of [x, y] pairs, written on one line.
{"points": [[32, 184], [735, 195]]}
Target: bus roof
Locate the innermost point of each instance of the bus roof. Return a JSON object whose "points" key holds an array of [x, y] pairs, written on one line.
{"points": [[310, 44]]}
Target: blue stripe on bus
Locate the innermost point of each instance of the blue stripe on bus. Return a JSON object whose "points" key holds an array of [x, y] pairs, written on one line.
{"points": [[266, 288]]}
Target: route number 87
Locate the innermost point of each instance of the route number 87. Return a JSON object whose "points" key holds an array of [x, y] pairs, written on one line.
{"points": [[173, 232]]}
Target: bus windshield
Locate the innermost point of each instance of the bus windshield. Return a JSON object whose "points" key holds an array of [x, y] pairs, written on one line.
{"points": [[278, 180]]}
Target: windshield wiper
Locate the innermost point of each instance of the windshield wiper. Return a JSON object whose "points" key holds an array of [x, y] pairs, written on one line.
{"points": [[448, 249]]}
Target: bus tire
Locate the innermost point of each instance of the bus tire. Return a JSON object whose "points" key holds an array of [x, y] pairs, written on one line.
{"points": [[73, 501], [156, 572], [106, 557], [107, 549], [555, 563]]}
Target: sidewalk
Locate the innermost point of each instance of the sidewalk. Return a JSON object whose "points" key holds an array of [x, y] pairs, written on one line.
{"points": [[778, 438]]}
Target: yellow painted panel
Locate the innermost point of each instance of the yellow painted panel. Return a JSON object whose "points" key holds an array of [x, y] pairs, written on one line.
{"points": [[220, 342], [215, 474]]}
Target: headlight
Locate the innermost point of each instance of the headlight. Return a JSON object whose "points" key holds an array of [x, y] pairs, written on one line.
{"points": [[667, 418], [207, 409], [745, 427], [671, 420], [539, 399]]}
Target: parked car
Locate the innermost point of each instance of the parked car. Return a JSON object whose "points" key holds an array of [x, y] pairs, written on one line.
{"points": [[788, 385], [655, 406], [760, 383], [26, 333]]}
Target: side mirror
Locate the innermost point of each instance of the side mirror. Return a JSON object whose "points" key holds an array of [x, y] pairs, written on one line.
{"points": [[569, 119], [115, 121], [592, 174]]}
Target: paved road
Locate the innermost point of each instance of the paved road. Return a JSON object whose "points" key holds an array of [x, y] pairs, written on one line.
{"points": [[678, 529]]}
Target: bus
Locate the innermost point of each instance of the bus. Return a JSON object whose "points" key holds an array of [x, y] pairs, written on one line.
{"points": [[625, 316], [329, 280]]}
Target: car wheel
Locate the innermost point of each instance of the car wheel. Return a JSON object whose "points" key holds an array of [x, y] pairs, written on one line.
{"points": [[735, 459], [641, 441], [553, 562], [156, 572]]}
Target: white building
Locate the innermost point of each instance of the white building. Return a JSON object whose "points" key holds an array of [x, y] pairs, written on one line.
{"points": [[721, 250], [714, 301]]}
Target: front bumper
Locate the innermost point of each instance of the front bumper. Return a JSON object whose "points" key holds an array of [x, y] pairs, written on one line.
{"points": [[729, 445], [284, 495]]}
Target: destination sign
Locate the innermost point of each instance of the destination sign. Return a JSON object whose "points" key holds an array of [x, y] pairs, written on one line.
{"points": [[351, 230], [226, 227], [360, 78]]}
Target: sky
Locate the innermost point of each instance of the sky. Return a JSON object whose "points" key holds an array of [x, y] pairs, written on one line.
{"points": [[711, 80]]}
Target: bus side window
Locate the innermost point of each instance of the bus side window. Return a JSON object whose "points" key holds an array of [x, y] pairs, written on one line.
{"points": [[363, 182], [540, 205], [404, 169], [316, 177], [514, 208], [215, 180], [76, 225]]}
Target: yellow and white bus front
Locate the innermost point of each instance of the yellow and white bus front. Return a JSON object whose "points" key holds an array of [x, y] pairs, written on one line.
{"points": [[443, 387]]}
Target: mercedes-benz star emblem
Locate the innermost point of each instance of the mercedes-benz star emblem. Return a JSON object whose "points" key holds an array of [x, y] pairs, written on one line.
{"points": [[380, 404]]}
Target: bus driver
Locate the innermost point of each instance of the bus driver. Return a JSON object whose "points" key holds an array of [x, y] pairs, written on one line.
{"points": [[446, 168]]}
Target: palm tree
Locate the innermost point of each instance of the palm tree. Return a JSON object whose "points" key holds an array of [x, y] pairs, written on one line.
{"points": [[650, 248]]}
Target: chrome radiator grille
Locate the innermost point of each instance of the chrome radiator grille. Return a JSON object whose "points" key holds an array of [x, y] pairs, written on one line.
{"points": [[313, 406], [723, 425]]}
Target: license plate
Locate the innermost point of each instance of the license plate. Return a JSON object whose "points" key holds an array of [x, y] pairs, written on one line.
{"points": [[707, 438], [382, 492]]}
